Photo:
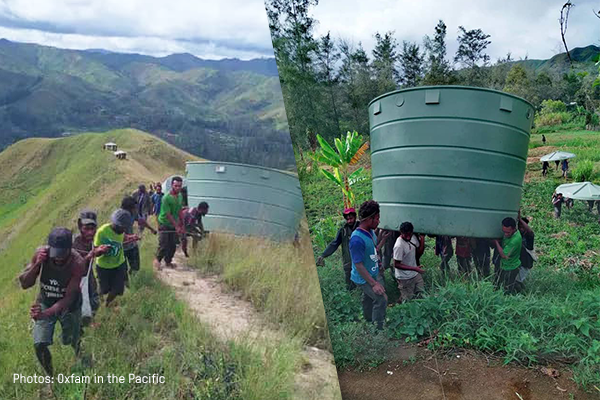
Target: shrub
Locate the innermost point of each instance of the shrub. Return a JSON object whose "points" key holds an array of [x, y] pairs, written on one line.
{"points": [[554, 118], [553, 106], [584, 170]]}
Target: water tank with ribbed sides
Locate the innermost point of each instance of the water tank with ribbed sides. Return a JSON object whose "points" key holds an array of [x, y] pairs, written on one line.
{"points": [[246, 199], [449, 159]]}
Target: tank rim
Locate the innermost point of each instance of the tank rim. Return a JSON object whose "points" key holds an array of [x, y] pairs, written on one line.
{"points": [[244, 165], [450, 87]]}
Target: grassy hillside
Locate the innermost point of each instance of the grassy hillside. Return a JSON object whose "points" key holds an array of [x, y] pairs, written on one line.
{"points": [[555, 322], [46, 91], [44, 183]]}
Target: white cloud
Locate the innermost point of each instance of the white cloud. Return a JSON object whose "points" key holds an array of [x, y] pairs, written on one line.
{"points": [[209, 29], [522, 27]]}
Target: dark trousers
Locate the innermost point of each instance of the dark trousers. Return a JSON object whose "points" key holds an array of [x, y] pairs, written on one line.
{"points": [[374, 305], [349, 284], [133, 259], [482, 264], [167, 244], [508, 281], [464, 264], [445, 264]]}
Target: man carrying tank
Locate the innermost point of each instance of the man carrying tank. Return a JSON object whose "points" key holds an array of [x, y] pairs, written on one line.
{"points": [[157, 199], [60, 270], [84, 245], [408, 272], [170, 227], [111, 266], [343, 239], [443, 248], [144, 207], [366, 273], [192, 222], [130, 247], [510, 256], [557, 200]]}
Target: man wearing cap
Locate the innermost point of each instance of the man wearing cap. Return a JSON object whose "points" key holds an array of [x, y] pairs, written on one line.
{"points": [[170, 227], [343, 238], [130, 248], [365, 264], [111, 266], [84, 245], [60, 271]]}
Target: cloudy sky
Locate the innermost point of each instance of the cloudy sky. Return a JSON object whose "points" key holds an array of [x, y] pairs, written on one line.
{"points": [[238, 28], [206, 28], [523, 27]]}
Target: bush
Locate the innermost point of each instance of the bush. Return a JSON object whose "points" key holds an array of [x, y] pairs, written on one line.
{"points": [[554, 118], [553, 106], [584, 170]]}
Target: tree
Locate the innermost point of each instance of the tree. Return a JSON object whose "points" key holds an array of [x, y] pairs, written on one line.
{"points": [[517, 82], [327, 56], [384, 62], [294, 46], [438, 69], [411, 64], [355, 76], [499, 71], [471, 46]]}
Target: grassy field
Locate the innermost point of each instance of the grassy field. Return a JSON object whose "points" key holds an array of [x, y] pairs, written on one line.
{"points": [[555, 321], [44, 183]]}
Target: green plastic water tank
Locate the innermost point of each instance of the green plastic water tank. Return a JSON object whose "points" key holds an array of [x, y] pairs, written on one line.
{"points": [[449, 159], [246, 199]]}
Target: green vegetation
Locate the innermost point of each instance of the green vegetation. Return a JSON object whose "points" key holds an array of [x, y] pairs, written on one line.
{"points": [[349, 150], [44, 183], [555, 321], [221, 110]]}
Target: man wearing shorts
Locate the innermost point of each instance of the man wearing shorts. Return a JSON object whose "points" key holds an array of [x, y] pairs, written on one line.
{"points": [[408, 272], [111, 266], [60, 270]]}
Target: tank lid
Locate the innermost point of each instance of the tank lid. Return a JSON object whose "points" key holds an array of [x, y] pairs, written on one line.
{"points": [[438, 87]]}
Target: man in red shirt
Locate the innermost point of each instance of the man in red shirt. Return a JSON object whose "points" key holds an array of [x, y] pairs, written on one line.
{"points": [[463, 255]]}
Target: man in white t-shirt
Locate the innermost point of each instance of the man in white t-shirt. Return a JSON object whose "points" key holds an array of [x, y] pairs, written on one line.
{"points": [[408, 273]]}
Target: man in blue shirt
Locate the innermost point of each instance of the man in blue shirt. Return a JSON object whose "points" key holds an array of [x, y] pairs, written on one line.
{"points": [[365, 264], [157, 199]]}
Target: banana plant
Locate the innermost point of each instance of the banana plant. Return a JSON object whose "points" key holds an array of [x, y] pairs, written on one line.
{"points": [[349, 150]]}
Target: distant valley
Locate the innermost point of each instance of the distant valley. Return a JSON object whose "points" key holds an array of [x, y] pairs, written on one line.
{"points": [[229, 110]]}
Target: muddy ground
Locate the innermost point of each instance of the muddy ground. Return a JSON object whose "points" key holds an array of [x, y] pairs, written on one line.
{"points": [[416, 374]]}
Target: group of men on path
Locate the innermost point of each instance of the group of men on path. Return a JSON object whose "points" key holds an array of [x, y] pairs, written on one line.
{"points": [[362, 246], [67, 284]]}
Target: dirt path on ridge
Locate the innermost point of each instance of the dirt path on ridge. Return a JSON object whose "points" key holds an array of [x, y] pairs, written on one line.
{"points": [[232, 318]]}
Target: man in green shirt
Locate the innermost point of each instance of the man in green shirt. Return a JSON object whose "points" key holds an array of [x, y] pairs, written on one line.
{"points": [[111, 266], [169, 225], [510, 257]]}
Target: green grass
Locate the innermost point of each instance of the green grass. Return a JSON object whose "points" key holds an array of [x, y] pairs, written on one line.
{"points": [[556, 320], [44, 184]]}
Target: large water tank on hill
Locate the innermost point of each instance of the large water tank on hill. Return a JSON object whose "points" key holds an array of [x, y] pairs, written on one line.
{"points": [[246, 199], [450, 159]]}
